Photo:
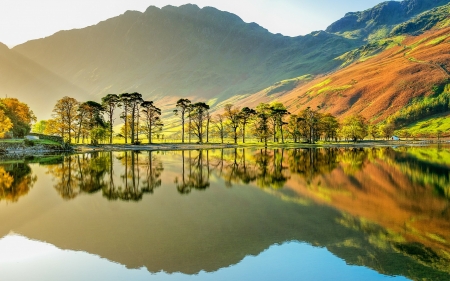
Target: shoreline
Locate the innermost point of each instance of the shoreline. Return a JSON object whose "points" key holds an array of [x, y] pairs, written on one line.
{"points": [[41, 150], [186, 146]]}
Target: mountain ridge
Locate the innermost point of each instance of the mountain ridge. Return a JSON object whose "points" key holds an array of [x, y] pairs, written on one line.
{"points": [[187, 51]]}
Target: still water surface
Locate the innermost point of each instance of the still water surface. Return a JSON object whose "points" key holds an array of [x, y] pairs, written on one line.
{"points": [[235, 214]]}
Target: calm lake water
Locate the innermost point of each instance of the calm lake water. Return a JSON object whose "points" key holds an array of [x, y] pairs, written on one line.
{"points": [[234, 214]]}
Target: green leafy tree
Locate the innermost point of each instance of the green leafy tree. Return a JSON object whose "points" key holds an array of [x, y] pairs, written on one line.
{"points": [[245, 116], [355, 127], [262, 130]]}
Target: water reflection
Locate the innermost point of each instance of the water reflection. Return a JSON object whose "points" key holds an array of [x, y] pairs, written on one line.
{"points": [[16, 180], [89, 173], [384, 208], [197, 174]]}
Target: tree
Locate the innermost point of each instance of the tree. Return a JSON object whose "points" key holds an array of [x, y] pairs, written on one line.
{"points": [[355, 127], [98, 134], [387, 130], [373, 131], [293, 127], [89, 117], [278, 111], [219, 125], [309, 124], [54, 128], [40, 126], [245, 116], [110, 102], [20, 115], [182, 107], [125, 99], [263, 113], [330, 126], [135, 102], [199, 115], [5, 124], [233, 116], [151, 118], [65, 114]]}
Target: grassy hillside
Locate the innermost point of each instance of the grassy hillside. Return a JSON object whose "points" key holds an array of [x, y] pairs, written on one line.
{"points": [[378, 84]]}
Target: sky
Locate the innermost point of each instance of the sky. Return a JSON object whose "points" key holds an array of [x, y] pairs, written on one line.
{"points": [[23, 20]]}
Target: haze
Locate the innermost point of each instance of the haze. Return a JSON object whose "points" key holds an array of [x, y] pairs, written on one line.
{"points": [[23, 20]]}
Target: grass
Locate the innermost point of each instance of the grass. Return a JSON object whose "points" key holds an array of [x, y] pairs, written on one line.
{"points": [[287, 85], [334, 89], [20, 141], [430, 126], [321, 84], [438, 40]]}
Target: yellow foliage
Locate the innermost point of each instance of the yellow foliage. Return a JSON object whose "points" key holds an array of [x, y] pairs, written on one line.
{"points": [[5, 124]]}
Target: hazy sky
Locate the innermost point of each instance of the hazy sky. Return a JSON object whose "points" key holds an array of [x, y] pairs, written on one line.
{"points": [[23, 20]]}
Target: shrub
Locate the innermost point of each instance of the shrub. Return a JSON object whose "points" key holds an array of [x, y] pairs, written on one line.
{"points": [[28, 142]]}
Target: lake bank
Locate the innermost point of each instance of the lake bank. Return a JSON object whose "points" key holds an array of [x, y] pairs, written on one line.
{"points": [[193, 146], [23, 148]]}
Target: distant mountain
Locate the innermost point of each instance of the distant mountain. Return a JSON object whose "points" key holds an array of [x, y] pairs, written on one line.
{"points": [[379, 21], [31, 83], [183, 52]]}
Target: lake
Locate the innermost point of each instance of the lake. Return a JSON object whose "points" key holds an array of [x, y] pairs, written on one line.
{"points": [[232, 214]]}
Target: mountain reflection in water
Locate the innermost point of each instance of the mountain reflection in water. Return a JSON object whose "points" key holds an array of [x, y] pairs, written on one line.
{"points": [[384, 208]]}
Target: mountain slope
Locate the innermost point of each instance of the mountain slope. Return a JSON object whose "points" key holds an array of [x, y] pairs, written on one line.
{"points": [[379, 21], [184, 52], [376, 87], [31, 83]]}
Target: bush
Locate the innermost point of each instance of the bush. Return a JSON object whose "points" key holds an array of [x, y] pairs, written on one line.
{"points": [[28, 142]]}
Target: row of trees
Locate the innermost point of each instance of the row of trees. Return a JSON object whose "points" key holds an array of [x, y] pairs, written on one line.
{"points": [[95, 121], [77, 121], [267, 121], [15, 118]]}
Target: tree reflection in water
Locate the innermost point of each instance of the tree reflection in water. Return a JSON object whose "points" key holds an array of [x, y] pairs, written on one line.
{"points": [[89, 173], [198, 174], [16, 180]]}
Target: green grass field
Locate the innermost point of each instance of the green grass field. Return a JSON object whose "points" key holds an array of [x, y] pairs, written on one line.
{"points": [[430, 126]]}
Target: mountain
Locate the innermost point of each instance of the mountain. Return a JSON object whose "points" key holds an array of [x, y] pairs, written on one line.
{"points": [[379, 21], [31, 83], [207, 54], [410, 71], [182, 52]]}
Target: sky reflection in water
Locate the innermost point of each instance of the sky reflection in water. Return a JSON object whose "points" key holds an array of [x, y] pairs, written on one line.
{"points": [[24, 259]]}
